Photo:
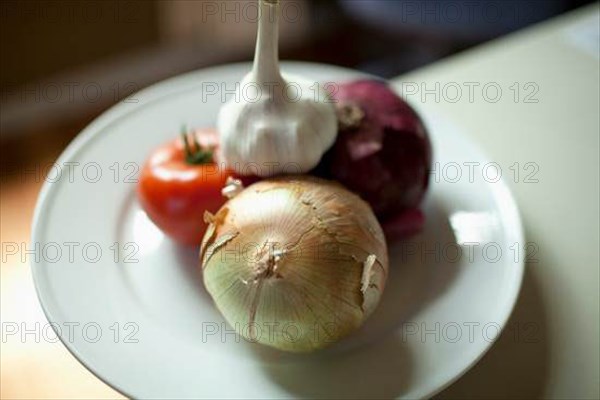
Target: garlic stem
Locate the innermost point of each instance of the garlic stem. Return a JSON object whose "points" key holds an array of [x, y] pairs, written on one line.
{"points": [[266, 56]]}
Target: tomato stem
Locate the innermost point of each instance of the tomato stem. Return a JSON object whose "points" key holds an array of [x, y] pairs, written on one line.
{"points": [[194, 153]]}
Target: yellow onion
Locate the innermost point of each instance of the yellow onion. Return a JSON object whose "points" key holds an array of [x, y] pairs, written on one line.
{"points": [[295, 263]]}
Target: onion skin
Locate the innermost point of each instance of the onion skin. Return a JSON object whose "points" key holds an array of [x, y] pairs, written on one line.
{"points": [[386, 157], [300, 252]]}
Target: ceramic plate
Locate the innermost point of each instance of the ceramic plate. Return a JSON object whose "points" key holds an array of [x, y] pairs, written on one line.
{"points": [[130, 304]]}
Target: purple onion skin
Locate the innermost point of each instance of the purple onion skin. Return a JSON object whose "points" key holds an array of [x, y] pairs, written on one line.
{"points": [[386, 159]]}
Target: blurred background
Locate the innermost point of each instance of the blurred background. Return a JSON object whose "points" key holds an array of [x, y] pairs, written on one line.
{"points": [[62, 63]]}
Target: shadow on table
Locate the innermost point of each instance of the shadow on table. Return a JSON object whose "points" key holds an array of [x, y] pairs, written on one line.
{"points": [[517, 364]]}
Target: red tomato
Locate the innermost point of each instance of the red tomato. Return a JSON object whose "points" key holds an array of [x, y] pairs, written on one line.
{"points": [[179, 183]]}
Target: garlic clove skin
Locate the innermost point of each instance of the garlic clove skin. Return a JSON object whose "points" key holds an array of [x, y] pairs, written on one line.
{"points": [[295, 263], [275, 124], [275, 135]]}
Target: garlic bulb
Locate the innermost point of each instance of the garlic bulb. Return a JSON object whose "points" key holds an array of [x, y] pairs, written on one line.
{"points": [[294, 263], [275, 125]]}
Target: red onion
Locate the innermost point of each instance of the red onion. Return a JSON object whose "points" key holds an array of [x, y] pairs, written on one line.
{"points": [[382, 151]]}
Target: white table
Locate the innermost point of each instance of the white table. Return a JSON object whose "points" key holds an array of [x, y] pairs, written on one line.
{"points": [[550, 127]]}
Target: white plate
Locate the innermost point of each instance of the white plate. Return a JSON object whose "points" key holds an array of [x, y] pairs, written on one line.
{"points": [[145, 327]]}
